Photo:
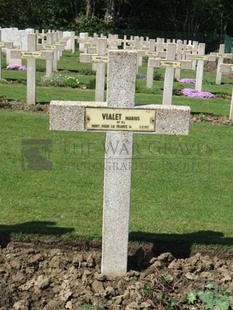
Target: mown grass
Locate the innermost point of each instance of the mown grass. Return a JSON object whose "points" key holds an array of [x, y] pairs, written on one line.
{"points": [[181, 186]]}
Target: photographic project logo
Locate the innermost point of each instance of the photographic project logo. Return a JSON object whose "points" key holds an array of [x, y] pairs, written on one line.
{"points": [[177, 158], [35, 154]]}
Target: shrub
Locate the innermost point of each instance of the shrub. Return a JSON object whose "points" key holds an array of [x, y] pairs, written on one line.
{"points": [[59, 80]]}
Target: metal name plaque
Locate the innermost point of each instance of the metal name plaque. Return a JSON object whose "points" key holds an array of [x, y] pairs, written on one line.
{"points": [[49, 47], [31, 55], [170, 63], [107, 119]]}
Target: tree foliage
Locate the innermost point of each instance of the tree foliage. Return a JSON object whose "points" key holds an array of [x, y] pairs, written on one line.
{"points": [[191, 17]]}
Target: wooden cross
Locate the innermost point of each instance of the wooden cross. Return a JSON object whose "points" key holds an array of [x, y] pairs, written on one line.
{"points": [[120, 119]]}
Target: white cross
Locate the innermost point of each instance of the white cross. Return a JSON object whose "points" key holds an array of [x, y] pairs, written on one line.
{"points": [[99, 60], [31, 55], [170, 64], [220, 56], [228, 68], [120, 119], [6, 45]]}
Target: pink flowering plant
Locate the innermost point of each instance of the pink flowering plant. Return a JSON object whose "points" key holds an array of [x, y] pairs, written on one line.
{"points": [[16, 67], [189, 92], [187, 81]]}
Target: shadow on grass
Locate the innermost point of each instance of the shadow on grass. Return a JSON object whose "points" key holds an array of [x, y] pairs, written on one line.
{"points": [[179, 245], [33, 227]]}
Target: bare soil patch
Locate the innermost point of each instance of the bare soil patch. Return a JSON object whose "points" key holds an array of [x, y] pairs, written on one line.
{"points": [[55, 274]]}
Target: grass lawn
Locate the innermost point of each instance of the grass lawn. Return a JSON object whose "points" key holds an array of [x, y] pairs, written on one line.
{"points": [[181, 186]]}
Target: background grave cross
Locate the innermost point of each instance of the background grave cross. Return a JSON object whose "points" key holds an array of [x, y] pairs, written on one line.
{"points": [[200, 57], [151, 119], [170, 64], [228, 68], [220, 57], [99, 60], [6, 45], [31, 55]]}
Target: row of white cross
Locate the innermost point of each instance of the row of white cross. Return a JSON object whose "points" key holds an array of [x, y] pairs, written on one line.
{"points": [[50, 51], [172, 56], [170, 59]]}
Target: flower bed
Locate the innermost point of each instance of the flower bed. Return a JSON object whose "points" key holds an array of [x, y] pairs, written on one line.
{"points": [[189, 92], [187, 81], [16, 67]]}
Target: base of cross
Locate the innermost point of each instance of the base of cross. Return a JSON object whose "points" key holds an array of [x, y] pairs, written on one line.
{"points": [[98, 117]]}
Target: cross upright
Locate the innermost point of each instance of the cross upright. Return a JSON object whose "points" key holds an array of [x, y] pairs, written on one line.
{"points": [[228, 68], [120, 119]]}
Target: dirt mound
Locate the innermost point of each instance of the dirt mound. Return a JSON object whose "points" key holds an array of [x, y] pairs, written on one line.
{"points": [[53, 276]]}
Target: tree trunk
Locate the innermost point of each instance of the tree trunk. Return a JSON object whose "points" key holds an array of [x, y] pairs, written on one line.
{"points": [[110, 11], [90, 8]]}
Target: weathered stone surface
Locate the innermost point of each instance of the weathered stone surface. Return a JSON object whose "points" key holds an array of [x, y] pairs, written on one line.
{"points": [[70, 116]]}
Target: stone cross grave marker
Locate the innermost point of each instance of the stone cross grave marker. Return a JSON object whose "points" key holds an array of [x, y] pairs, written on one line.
{"points": [[100, 60], [53, 39], [51, 63], [54, 48], [152, 61], [113, 42], [160, 53], [228, 68], [181, 51], [146, 49], [120, 119], [170, 64], [179, 56], [220, 56], [83, 37], [200, 57], [31, 55], [5, 45]]}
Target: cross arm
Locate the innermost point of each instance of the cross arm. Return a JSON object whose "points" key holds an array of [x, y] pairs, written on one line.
{"points": [[85, 58], [89, 58], [6, 44], [163, 63], [200, 57], [226, 68], [70, 116], [17, 54], [170, 120], [221, 55]]}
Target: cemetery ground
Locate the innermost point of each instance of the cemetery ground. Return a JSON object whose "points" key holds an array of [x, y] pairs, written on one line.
{"points": [[181, 236]]}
